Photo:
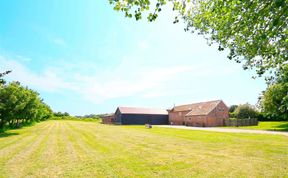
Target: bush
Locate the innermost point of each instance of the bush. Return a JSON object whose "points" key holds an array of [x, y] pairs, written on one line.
{"points": [[268, 117], [232, 114], [246, 111]]}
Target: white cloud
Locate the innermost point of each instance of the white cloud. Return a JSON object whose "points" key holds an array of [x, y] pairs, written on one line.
{"points": [[128, 79], [125, 81], [45, 81]]}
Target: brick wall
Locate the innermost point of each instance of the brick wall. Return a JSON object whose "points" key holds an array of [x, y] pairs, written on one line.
{"points": [[177, 118], [218, 116], [197, 121], [108, 120]]}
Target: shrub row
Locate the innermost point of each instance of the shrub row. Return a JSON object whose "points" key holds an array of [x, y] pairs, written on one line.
{"points": [[20, 106]]}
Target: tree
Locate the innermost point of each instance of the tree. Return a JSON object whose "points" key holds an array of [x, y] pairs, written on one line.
{"points": [[254, 31], [274, 101], [246, 111], [232, 108], [60, 114], [20, 105]]}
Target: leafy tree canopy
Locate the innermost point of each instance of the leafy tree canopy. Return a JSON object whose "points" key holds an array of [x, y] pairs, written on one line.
{"points": [[274, 101], [246, 111], [232, 108], [254, 31], [20, 105]]}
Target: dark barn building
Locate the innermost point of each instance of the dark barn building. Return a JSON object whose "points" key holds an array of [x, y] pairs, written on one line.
{"points": [[140, 116]]}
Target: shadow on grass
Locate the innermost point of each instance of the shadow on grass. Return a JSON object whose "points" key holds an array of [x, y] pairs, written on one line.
{"points": [[7, 134], [282, 127]]}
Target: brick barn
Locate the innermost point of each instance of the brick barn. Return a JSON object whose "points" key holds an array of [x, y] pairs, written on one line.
{"points": [[204, 114], [140, 116], [108, 118]]}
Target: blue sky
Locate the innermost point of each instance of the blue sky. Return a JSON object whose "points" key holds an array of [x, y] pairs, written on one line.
{"points": [[83, 57]]}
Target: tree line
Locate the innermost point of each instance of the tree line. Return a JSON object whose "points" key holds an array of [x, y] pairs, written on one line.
{"points": [[20, 106], [273, 102]]}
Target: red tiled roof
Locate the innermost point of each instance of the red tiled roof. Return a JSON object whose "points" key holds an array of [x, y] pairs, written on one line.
{"points": [[202, 108], [133, 110]]}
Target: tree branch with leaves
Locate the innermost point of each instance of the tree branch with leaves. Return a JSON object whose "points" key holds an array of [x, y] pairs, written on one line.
{"points": [[254, 31], [2, 81]]}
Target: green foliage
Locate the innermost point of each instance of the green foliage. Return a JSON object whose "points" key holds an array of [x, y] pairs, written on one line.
{"points": [[90, 119], [66, 116], [232, 115], [20, 106], [232, 108], [275, 102], [255, 32], [60, 114], [92, 116], [2, 81], [63, 117], [245, 111]]}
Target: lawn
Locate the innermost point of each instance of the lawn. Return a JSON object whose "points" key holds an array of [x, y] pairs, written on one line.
{"points": [[274, 126], [89, 149]]}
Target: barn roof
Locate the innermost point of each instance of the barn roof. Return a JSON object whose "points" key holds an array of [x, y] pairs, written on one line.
{"points": [[107, 115], [202, 108], [133, 110]]}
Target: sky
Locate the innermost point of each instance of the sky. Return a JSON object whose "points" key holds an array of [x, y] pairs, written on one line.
{"points": [[83, 57]]}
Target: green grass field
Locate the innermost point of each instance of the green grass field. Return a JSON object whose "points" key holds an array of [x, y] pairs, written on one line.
{"points": [[272, 126], [89, 149]]}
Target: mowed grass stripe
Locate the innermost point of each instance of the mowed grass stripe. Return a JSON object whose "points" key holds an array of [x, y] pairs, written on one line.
{"points": [[131, 163], [19, 134], [9, 152], [109, 157], [43, 160], [111, 154], [223, 150], [92, 152], [21, 163], [209, 151], [48, 156], [83, 156], [153, 153], [89, 149], [248, 150]]}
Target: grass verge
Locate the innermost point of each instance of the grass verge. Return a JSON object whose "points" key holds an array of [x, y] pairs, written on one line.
{"points": [[265, 125]]}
